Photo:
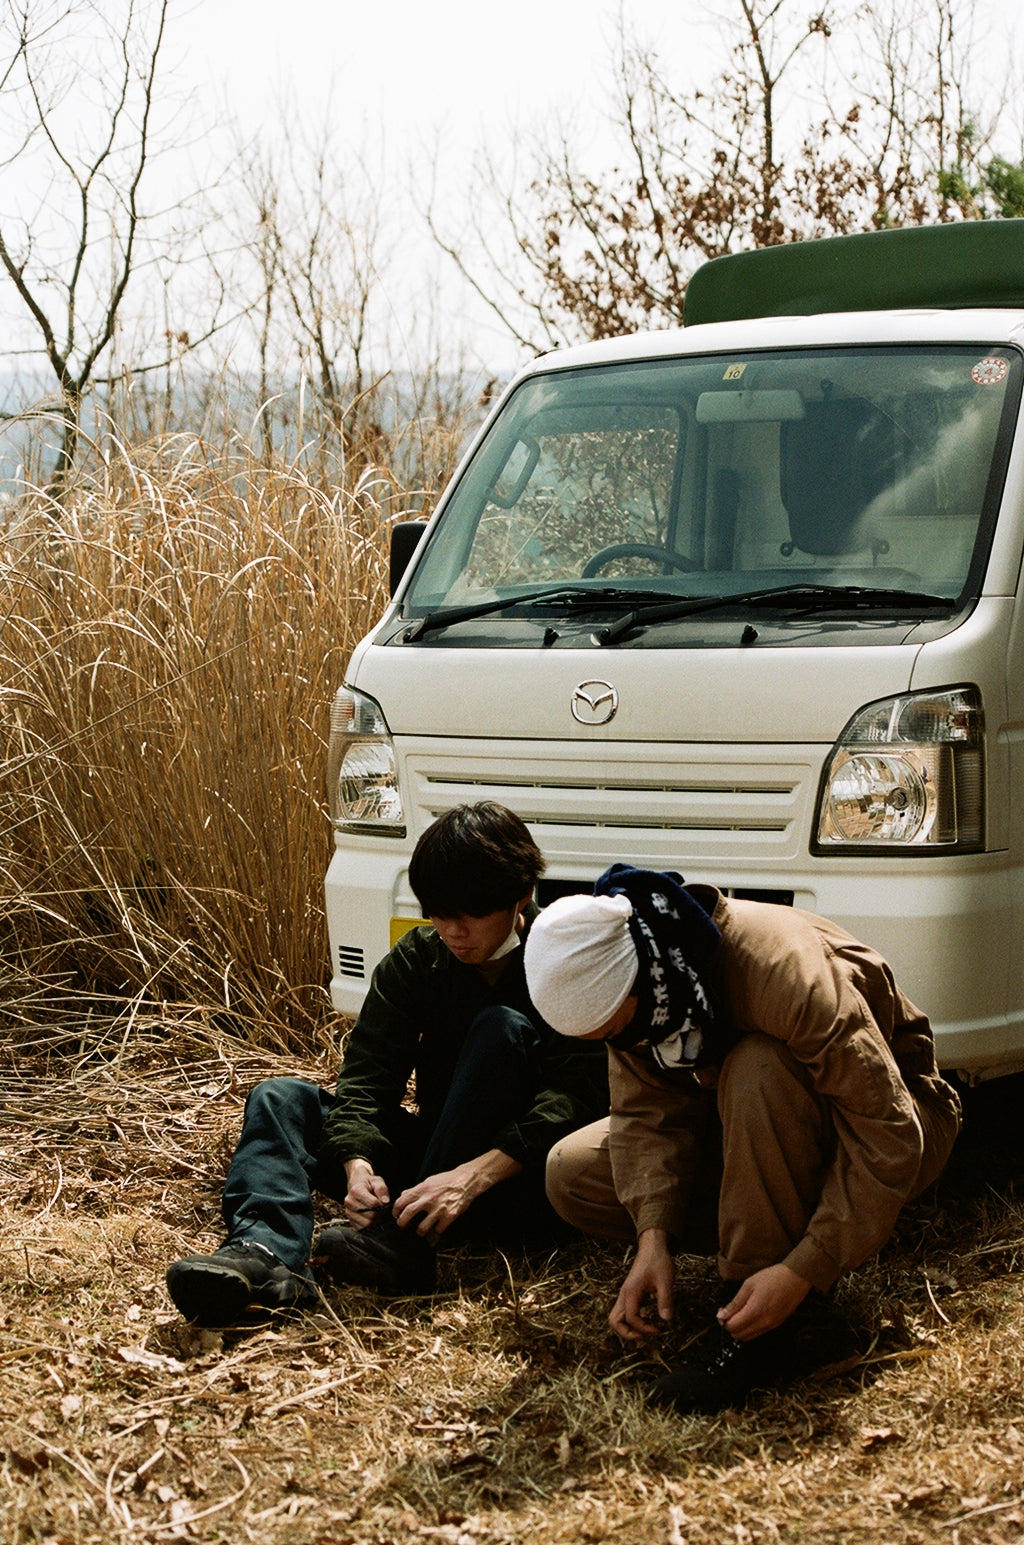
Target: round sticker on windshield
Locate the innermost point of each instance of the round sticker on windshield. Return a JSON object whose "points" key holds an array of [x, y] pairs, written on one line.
{"points": [[989, 372]]}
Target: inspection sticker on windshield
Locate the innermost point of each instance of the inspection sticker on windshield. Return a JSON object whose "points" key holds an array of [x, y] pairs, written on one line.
{"points": [[989, 372], [733, 372]]}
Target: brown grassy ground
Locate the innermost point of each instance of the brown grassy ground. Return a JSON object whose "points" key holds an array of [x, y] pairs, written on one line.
{"points": [[498, 1411]]}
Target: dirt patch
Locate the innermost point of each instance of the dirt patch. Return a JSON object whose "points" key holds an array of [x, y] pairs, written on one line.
{"points": [[499, 1410]]}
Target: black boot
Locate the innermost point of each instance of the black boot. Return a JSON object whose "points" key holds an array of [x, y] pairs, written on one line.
{"points": [[394, 1260], [719, 1371], [217, 1289]]}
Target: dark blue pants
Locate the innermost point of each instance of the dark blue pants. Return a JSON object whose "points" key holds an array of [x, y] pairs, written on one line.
{"points": [[268, 1194]]}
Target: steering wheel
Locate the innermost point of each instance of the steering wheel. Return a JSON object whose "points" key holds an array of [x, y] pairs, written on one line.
{"points": [[635, 550]]}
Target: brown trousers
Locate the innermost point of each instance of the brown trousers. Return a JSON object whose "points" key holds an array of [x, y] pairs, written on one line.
{"points": [[752, 1195]]}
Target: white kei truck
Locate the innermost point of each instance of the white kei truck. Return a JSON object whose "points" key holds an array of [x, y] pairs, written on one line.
{"points": [[743, 600]]}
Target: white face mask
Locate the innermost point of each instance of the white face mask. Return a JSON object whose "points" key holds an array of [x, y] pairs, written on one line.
{"points": [[510, 944]]}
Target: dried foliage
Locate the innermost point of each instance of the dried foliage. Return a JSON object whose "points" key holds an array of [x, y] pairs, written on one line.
{"points": [[173, 632], [495, 1413], [856, 117]]}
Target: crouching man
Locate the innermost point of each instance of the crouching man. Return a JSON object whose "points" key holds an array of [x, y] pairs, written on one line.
{"points": [[768, 1079], [494, 1089]]}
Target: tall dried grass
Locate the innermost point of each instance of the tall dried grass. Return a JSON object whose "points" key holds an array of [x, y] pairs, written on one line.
{"points": [[172, 633]]}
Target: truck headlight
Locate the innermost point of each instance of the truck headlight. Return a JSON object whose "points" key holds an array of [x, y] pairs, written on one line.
{"points": [[361, 773], [907, 772]]}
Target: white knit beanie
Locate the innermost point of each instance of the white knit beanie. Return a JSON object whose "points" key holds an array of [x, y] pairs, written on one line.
{"points": [[581, 961]]}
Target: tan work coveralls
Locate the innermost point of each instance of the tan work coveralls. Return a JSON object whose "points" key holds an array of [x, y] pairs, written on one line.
{"points": [[828, 1115]]}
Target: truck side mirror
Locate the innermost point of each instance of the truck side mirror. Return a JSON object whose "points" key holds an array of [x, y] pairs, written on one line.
{"points": [[405, 539]]}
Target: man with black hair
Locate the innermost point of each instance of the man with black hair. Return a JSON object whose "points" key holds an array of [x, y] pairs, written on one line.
{"points": [[494, 1088], [774, 1097]]}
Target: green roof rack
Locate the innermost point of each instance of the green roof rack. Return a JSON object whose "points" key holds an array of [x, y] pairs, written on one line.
{"points": [[974, 263]]}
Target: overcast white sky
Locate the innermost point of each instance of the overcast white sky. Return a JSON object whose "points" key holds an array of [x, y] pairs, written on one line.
{"points": [[466, 67], [431, 82], [415, 78], [407, 67]]}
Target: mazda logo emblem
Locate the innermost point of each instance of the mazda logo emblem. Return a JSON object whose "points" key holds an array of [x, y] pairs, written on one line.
{"points": [[594, 702]]}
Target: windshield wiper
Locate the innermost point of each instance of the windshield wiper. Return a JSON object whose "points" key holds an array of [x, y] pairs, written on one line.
{"points": [[601, 598], [800, 598]]}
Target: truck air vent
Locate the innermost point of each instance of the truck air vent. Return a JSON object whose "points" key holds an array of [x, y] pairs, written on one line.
{"points": [[351, 961]]}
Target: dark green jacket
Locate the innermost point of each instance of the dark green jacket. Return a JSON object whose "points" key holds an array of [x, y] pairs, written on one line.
{"points": [[412, 1024]]}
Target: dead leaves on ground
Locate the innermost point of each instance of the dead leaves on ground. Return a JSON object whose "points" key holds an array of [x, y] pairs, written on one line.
{"points": [[498, 1413]]}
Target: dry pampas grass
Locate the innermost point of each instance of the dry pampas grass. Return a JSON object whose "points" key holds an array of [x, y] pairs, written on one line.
{"points": [[172, 635]]}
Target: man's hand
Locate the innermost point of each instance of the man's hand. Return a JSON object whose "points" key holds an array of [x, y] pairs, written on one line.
{"points": [[367, 1193], [763, 1302], [652, 1273], [432, 1205]]}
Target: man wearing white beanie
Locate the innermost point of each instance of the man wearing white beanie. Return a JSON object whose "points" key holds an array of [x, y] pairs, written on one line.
{"points": [[770, 1086]]}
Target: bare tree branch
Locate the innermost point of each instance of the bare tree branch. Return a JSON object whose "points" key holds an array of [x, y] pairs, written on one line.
{"points": [[78, 290], [852, 117]]}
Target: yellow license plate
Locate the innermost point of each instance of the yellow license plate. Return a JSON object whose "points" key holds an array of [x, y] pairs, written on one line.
{"points": [[400, 925]]}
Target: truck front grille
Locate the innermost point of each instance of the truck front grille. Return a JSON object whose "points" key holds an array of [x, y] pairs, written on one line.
{"points": [[651, 802]]}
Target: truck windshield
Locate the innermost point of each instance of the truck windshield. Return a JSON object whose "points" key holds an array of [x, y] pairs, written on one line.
{"points": [[710, 476]]}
